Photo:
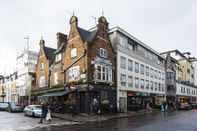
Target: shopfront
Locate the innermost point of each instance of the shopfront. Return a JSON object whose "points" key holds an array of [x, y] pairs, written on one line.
{"points": [[138, 100]]}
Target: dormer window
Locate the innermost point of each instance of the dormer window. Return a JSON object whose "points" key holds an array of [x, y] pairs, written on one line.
{"points": [[73, 52], [103, 52], [58, 57]]}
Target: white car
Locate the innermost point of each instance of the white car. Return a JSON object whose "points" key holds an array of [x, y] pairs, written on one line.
{"points": [[33, 110]]}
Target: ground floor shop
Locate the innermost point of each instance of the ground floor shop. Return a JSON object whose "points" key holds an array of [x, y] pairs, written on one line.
{"points": [[79, 98], [134, 101]]}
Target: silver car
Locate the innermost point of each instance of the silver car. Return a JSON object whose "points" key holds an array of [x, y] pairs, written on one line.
{"points": [[33, 110]]}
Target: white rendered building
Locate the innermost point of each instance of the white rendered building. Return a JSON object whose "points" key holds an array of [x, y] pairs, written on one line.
{"points": [[25, 67], [140, 72]]}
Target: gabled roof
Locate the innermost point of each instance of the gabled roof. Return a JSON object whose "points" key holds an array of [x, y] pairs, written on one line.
{"points": [[50, 53], [87, 35]]}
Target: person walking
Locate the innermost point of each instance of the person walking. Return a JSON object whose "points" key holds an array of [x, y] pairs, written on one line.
{"points": [[44, 113], [48, 115]]}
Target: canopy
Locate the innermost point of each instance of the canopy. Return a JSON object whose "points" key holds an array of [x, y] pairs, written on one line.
{"points": [[60, 93]]}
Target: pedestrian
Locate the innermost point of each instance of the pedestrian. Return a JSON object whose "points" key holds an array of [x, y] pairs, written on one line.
{"points": [[95, 105], [148, 107], [163, 107], [48, 116], [44, 112]]}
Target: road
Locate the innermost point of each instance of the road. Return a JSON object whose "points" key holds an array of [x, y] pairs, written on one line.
{"points": [[17, 121], [176, 121]]}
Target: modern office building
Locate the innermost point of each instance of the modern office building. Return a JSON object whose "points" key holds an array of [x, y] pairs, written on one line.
{"points": [[140, 72]]}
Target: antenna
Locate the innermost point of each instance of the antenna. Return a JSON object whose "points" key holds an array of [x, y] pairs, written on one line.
{"points": [[102, 12], [27, 38]]}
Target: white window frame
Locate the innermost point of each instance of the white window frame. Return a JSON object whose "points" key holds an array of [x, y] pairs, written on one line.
{"points": [[58, 57], [73, 53], [103, 52], [130, 81], [105, 73], [123, 80], [123, 62]]}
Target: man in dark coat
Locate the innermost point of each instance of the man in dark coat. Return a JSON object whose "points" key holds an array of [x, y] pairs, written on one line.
{"points": [[44, 112]]}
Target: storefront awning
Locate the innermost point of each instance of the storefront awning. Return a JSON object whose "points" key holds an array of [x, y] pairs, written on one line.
{"points": [[60, 93]]}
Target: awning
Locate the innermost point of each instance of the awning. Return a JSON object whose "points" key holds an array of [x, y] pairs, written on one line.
{"points": [[60, 93]]}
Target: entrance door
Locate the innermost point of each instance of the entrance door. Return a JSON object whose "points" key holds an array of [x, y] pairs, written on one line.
{"points": [[82, 102], [123, 104]]}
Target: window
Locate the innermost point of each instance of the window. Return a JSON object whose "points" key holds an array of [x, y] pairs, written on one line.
{"points": [[98, 74], [55, 78], [155, 74], [163, 76], [155, 86], [103, 73], [42, 66], [130, 65], [147, 71], [123, 62], [159, 75], [147, 84], [151, 73], [163, 88], [142, 69], [73, 52], [159, 87], [130, 81], [103, 52], [123, 42], [136, 67], [123, 80], [136, 82], [151, 85], [74, 73], [42, 81], [58, 57], [142, 84]]}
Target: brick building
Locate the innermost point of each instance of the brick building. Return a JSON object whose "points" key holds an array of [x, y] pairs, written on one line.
{"points": [[79, 71], [89, 66]]}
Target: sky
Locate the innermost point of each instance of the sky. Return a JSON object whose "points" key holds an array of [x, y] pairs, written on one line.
{"points": [[161, 24]]}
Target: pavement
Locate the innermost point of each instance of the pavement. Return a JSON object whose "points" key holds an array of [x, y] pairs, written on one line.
{"points": [[19, 122], [83, 117]]}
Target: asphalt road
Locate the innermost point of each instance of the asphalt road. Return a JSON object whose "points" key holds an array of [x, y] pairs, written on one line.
{"points": [[176, 121]]}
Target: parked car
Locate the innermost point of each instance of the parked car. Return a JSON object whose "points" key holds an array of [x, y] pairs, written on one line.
{"points": [[185, 106], [13, 107], [33, 110], [3, 106]]}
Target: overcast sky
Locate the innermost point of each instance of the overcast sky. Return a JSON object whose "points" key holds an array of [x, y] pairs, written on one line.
{"points": [[161, 24]]}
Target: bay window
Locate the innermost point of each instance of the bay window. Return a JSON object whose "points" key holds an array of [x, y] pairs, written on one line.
{"points": [[103, 73]]}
